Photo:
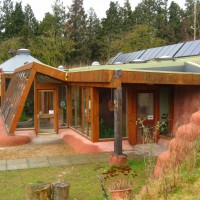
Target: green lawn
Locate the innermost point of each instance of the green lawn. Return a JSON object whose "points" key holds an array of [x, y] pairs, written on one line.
{"points": [[83, 179]]}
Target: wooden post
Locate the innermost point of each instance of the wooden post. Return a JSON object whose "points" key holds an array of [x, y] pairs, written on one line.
{"points": [[117, 158], [38, 192], [118, 121], [60, 191]]}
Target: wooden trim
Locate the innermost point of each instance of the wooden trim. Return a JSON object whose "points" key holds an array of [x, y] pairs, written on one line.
{"points": [[69, 114], [113, 84], [95, 114], [131, 116], [25, 67], [3, 86], [36, 116], [97, 76], [22, 101], [160, 78], [56, 108], [171, 104]]}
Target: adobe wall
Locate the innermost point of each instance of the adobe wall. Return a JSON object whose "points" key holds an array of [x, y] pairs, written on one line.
{"points": [[186, 102]]}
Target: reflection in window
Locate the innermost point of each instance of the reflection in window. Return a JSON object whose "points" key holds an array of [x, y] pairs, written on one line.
{"points": [[76, 112], [106, 113], [87, 112], [13, 97], [62, 106], [27, 116], [165, 95]]}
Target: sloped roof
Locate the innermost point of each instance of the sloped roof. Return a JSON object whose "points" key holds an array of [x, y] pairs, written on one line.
{"points": [[22, 57]]}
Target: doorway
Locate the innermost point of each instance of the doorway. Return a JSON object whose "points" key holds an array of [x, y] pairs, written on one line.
{"points": [[46, 111], [145, 112]]}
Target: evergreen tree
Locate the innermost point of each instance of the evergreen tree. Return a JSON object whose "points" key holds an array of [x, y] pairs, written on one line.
{"points": [[76, 29], [145, 12], [175, 20], [93, 28], [60, 18], [30, 27], [6, 11], [111, 28], [16, 22], [127, 16]]}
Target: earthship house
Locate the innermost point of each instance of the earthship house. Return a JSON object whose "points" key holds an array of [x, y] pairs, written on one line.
{"points": [[157, 84]]}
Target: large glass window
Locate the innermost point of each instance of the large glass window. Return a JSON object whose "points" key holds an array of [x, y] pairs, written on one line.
{"points": [[165, 95], [106, 113], [87, 112], [27, 117], [76, 112], [62, 106], [13, 96]]}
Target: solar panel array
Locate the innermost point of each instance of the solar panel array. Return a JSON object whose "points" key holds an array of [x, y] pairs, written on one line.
{"points": [[184, 49]]}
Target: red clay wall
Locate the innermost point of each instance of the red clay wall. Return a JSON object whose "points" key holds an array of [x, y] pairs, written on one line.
{"points": [[186, 102]]}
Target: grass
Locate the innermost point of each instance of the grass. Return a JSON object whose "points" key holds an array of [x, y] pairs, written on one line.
{"points": [[183, 184], [83, 179]]}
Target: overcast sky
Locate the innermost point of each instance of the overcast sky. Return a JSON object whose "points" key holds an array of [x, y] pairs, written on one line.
{"points": [[40, 7]]}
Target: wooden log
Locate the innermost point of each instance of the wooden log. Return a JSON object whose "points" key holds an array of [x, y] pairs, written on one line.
{"points": [[60, 191], [38, 192]]}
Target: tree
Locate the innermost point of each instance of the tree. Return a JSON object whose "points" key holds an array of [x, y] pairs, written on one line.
{"points": [[142, 37], [145, 12], [60, 18], [16, 22], [127, 16], [189, 18], [175, 19], [76, 29], [92, 44], [111, 28], [6, 11], [30, 27]]}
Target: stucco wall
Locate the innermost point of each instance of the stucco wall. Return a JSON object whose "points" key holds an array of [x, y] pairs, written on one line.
{"points": [[186, 102]]}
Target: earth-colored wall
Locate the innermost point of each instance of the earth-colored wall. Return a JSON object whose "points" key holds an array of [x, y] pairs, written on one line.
{"points": [[186, 102]]}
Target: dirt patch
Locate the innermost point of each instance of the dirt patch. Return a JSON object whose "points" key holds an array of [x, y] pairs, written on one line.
{"points": [[40, 147]]}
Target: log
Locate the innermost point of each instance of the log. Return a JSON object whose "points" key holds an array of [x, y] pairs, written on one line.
{"points": [[60, 191], [38, 192]]}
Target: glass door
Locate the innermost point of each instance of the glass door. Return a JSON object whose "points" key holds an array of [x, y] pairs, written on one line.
{"points": [[87, 112], [46, 111], [145, 116]]}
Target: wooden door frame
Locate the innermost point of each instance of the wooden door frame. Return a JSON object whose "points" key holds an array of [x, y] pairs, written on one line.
{"points": [[132, 108], [53, 87]]}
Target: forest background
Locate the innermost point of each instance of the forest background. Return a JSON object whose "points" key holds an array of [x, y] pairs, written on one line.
{"points": [[71, 36]]}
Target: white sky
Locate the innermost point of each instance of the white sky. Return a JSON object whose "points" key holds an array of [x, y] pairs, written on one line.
{"points": [[100, 6]]}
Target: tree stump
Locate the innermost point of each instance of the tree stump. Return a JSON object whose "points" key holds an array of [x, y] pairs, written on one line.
{"points": [[60, 191], [38, 192]]}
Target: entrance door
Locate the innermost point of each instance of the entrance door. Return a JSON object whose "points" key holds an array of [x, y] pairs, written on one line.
{"points": [[145, 115], [46, 111]]}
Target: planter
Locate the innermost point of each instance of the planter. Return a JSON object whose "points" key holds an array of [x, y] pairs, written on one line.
{"points": [[125, 194]]}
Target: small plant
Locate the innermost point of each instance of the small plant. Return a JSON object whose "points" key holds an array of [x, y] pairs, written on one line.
{"points": [[118, 178]]}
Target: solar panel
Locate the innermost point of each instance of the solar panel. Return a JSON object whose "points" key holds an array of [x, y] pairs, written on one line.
{"points": [[196, 51], [135, 55], [169, 50], [190, 48], [183, 49], [151, 53], [120, 58], [193, 46]]}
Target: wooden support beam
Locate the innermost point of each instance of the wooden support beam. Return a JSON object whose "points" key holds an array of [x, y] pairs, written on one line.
{"points": [[118, 121]]}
